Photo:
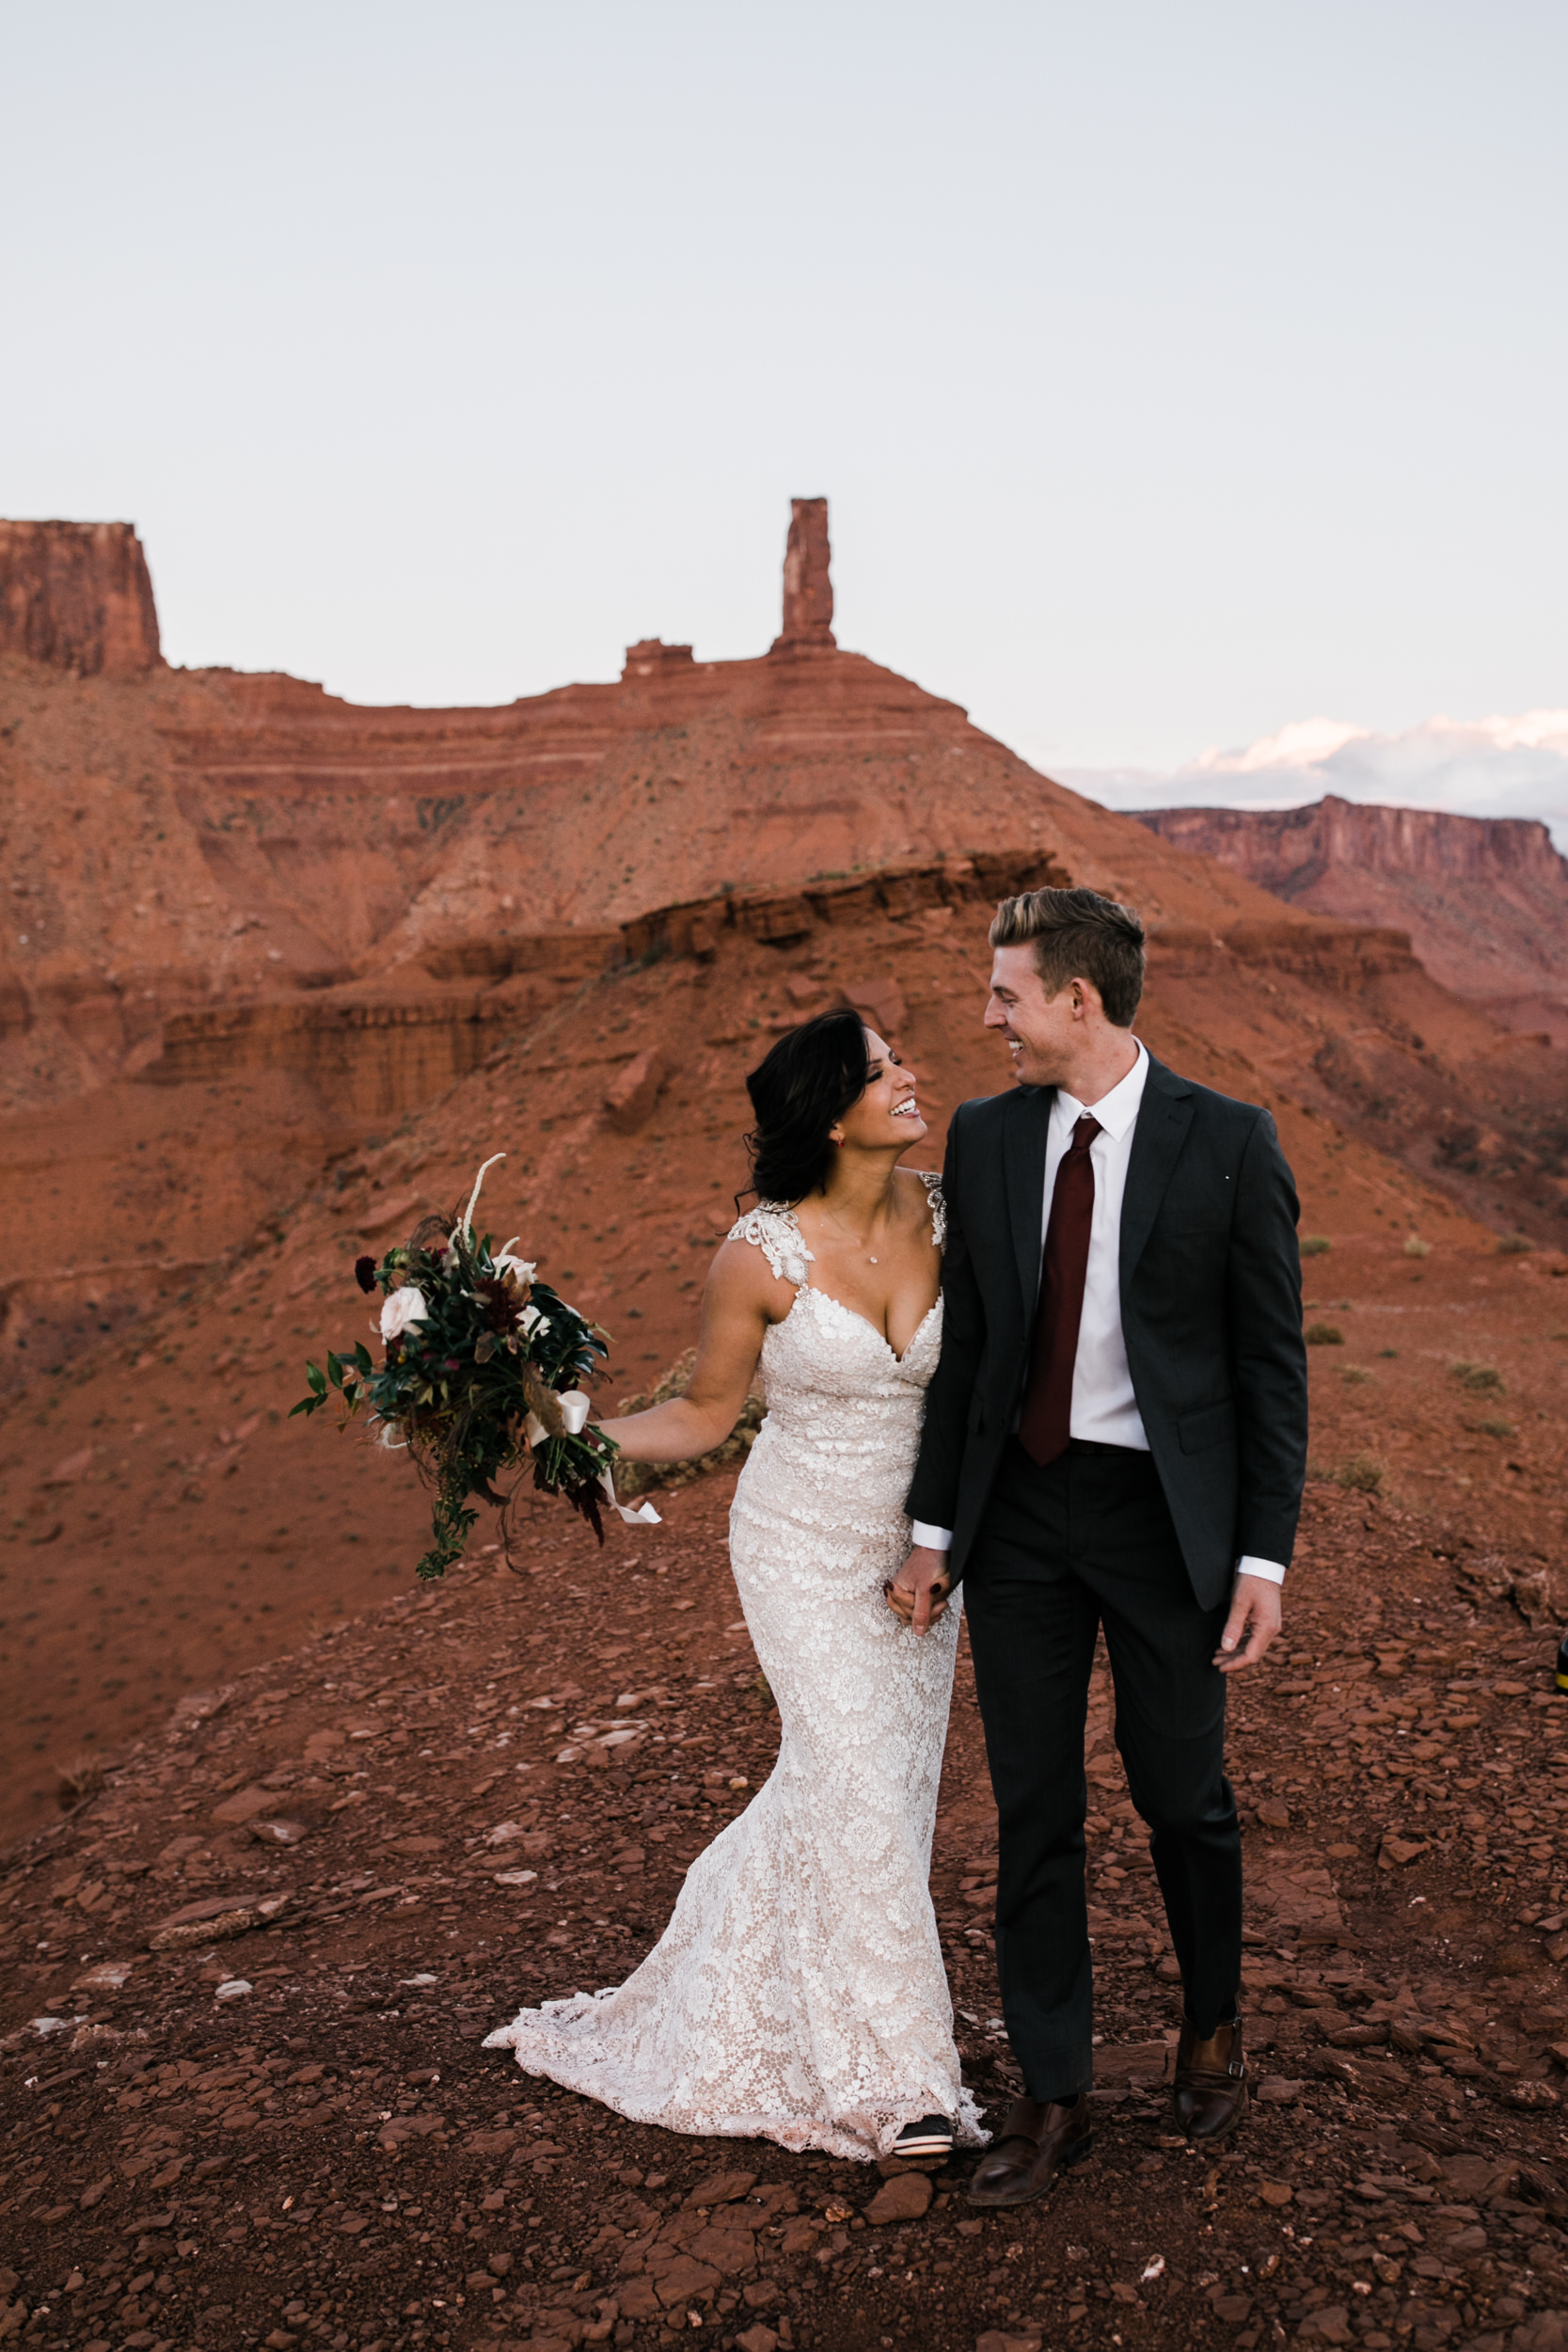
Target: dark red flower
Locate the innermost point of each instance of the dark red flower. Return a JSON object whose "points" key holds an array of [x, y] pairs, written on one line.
{"points": [[364, 1273]]}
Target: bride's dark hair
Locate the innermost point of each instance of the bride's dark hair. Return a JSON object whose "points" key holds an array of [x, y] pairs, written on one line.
{"points": [[809, 1079]]}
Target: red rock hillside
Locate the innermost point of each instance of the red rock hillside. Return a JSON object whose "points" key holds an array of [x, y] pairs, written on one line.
{"points": [[194, 1192]]}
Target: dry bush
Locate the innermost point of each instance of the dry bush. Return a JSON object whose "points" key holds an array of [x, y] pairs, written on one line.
{"points": [[638, 1478], [1354, 1375], [1315, 1244], [1481, 1379], [1513, 1245], [1324, 1335], [1415, 1248], [82, 1778], [1360, 1473]]}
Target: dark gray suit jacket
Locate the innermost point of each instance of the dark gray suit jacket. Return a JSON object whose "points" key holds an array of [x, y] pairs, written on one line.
{"points": [[1211, 1317]]}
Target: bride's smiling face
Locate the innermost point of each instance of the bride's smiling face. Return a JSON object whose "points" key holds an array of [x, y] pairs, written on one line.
{"points": [[887, 1111]]}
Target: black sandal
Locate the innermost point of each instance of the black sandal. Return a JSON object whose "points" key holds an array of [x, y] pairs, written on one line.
{"points": [[931, 2137]]}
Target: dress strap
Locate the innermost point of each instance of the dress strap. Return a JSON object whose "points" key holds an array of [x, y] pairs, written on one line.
{"points": [[931, 1178], [775, 1230]]}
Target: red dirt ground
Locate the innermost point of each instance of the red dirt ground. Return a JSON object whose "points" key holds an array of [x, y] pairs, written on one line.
{"points": [[327, 2158]]}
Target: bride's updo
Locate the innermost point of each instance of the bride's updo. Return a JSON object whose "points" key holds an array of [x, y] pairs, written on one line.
{"points": [[809, 1080]]}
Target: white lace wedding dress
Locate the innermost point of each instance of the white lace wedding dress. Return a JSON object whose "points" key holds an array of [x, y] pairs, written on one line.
{"points": [[798, 1993]]}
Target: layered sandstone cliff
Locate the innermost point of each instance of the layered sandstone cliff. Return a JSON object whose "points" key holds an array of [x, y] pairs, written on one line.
{"points": [[181, 846], [1484, 899]]}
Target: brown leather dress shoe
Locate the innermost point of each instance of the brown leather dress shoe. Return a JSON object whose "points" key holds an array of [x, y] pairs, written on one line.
{"points": [[1210, 2091], [1037, 2143]]}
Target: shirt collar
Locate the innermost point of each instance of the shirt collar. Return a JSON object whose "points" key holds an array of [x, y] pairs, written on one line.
{"points": [[1114, 1111]]}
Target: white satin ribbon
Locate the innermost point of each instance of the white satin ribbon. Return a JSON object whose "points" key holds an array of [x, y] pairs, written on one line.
{"points": [[643, 1515], [576, 1405]]}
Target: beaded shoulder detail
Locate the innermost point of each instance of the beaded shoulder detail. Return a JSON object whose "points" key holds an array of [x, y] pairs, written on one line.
{"points": [[932, 1182], [775, 1230]]}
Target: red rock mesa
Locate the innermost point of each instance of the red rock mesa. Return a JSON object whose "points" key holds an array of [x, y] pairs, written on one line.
{"points": [[77, 596], [1484, 899]]}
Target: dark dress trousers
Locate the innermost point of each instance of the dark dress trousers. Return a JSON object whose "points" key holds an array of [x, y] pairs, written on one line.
{"points": [[1144, 1545]]}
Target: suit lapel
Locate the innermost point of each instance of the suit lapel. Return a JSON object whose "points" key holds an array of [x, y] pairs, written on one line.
{"points": [[1027, 1131], [1164, 1115]]}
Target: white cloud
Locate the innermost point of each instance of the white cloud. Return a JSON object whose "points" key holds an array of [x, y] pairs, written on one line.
{"points": [[1497, 766]]}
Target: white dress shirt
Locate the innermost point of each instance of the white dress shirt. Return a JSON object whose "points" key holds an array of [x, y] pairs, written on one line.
{"points": [[1105, 1408]]}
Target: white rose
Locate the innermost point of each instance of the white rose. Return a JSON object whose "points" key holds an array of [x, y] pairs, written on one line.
{"points": [[534, 1320], [401, 1309], [524, 1268]]}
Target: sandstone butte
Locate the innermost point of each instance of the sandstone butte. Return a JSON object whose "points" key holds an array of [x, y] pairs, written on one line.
{"points": [[281, 972]]}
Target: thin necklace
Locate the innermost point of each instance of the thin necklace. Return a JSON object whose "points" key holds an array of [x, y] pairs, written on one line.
{"points": [[849, 1234]]}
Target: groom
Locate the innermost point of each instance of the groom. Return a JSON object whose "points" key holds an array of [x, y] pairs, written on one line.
{"points": [[1116, 1436]]}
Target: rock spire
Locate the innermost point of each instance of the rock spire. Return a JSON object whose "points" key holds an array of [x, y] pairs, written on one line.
{"points": [[808, 588]]}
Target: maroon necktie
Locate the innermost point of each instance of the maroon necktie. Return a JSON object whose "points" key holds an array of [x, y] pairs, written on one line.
{"points": [[1046, 1422]]}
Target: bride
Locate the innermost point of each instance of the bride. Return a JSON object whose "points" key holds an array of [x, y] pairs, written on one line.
{"points": [[798, 1993]]}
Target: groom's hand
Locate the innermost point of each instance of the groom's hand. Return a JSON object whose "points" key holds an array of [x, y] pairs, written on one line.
{"points": [[919, 1591], [1257, 1612]]}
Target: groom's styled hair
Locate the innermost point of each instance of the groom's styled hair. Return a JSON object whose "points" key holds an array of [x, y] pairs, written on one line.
{"points": [[1078, 935]]}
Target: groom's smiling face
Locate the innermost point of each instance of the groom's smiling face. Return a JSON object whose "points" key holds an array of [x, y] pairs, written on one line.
{"points": [[1045, 1035]]}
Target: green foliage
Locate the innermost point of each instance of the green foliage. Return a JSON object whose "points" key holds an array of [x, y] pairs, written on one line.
{"points": [[1315, 1244], [462, 1384], [1481, 1379], [1360, 1473], [1324, 1335]]}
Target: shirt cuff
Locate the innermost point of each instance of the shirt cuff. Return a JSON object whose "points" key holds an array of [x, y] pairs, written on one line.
{"points": [[941, 1538], [1270, 1570]]}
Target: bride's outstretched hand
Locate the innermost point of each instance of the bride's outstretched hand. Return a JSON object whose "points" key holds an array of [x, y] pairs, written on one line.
{"points": [[918, 1593]]}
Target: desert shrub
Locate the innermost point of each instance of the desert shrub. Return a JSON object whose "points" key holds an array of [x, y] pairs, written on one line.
{"points": [[637, 1478], [1315, 1244], [82, 1778], [1481, 1379], [1359, 1472], [1324, 1335], [1415, 1248], [1496, 1428], [1513, 1245], [1354, 1375]]}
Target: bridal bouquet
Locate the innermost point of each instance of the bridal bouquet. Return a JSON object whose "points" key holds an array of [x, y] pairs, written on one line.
{"points": [[484, 1365]]}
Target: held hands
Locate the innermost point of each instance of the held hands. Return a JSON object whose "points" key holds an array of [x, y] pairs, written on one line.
{"points": [[1256, 1614], [918, 1593]]}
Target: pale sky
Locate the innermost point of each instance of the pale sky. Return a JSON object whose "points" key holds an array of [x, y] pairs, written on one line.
{"points": [[1178, 370]]}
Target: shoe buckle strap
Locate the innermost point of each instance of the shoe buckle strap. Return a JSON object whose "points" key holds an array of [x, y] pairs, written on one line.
{"points": [[1235, 2069]]}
